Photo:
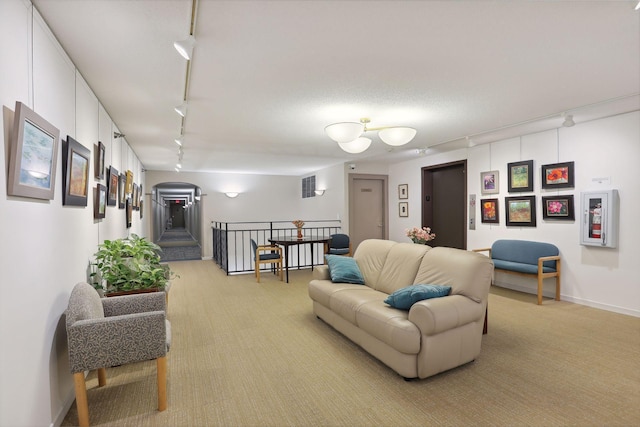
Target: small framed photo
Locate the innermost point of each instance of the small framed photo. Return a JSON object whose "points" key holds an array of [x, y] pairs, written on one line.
{"points": [[100, 202], [76, 161], [99, 172], [489, 210], [122, 197], [33, 153], [403, 209], [558, 175], [128, 187], [558, 207], [141, 209], [134, 197], [128, 212], [403, 191], [114, 178], [520, 176], [521, 211], [490, 182]]}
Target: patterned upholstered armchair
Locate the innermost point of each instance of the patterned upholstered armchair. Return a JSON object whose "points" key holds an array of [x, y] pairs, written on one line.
{"points": [[107, 332]]}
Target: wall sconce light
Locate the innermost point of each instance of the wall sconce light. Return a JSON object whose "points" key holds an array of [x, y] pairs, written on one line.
{"points": [[319, 192], [231, 194]]}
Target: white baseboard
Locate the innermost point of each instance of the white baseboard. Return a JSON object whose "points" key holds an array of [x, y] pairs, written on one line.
{"points": [[71, 397]]}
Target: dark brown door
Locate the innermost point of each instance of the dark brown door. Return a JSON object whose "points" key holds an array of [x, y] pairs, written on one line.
{"points": [[444, 192]]}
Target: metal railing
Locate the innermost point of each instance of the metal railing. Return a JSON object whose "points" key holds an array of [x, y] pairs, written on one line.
{"points": [[232, 242]]}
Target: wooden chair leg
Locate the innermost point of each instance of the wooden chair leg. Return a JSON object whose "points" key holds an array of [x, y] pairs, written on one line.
{"points": [[485, 328], [257, 268], [540, 287], [81, 399], [281, 270], [558, 288], [102, 377], [161, 366]]}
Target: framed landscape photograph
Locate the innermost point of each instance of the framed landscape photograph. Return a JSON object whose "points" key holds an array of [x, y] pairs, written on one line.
{"points": [[403, 209], [32, 155], [114, 178], [558, 207], [403, 191], [99, 172], [100, 202], [558, 175], [490, 182], [521, 211], [75, 172], [122, 197], [489, 210], [520, 176]]}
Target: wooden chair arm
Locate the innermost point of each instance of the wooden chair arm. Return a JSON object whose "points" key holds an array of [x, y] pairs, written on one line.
{"points": [[482, 250], [269, 248]]}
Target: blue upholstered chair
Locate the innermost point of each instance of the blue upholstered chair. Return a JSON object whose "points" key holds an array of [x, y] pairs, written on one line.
{"points": [[339, 244], [266, 254], [107, 332]]}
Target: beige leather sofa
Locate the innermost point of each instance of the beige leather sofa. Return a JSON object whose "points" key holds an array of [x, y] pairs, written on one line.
{"points": [[435, 334]]}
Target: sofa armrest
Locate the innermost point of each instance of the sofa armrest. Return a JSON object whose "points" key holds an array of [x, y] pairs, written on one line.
{"points": [[436, 315], [483, 250], [136, 303], [321, 272]]}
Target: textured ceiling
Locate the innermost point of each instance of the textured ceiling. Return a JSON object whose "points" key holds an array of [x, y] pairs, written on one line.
{"points": [[268, 76]]}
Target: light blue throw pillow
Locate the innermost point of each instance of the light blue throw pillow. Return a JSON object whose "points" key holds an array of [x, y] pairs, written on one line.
{"points": [[404, 298], [344, 270]]}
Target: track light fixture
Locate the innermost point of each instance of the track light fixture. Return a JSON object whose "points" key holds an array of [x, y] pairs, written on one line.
{"points": [[178, 141], [348, 135], [117, 135], [182, 109], [185, 47], [568, 120]]}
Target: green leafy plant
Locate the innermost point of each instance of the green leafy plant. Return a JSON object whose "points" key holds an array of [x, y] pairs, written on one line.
{"points": [[129, 264]]}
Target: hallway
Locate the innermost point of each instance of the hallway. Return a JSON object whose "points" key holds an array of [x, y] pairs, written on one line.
{"points": [[179, 245]]}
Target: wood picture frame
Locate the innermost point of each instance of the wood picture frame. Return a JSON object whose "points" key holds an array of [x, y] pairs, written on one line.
{"points": [[558, 175], [128, 188], [122, 197], [520, 211], [403, 209], [100, 167], [134, 197], [403, 191], [520, 176], [100, 202], [33, 155], [558, 208], [489, 211], [76, 162], [490, 182], [112, 189], [128, 212]]}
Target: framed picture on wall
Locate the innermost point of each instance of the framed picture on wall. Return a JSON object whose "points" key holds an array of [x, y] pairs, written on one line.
{"points": [[33, 153], [112, 193], [521, 211], [76, 159], [490, 182], [558, 207], [128, 212], [558, 175], [520, 176], [100, 202], [141, 209], [403, 191], [99, 172], [403, 209], [489, 210], [122, 197], [128, 187]]}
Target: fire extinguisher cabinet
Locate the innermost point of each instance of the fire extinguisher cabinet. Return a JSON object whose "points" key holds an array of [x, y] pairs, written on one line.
{"points": [[599, 218]]}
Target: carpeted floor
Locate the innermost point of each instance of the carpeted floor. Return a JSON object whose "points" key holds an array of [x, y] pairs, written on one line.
{"points": [[248, 354], [179, 245]]}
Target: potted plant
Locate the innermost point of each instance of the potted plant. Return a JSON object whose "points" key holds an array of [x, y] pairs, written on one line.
{"points": [[129, 264]]}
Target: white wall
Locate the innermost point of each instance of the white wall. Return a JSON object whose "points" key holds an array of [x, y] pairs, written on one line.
{"points": [[45, 247], [598, 277]]}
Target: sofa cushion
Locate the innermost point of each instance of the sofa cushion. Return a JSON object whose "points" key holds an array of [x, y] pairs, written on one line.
{"points": [[321, 290], [524, 251], [404, 298], [520, 267], [390, 326], [347, 302], [344, 269], [400, 267], [371, 255]]}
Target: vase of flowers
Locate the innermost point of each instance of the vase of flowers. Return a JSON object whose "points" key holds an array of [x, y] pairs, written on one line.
{"points": [[420, 235], [299, 224]]}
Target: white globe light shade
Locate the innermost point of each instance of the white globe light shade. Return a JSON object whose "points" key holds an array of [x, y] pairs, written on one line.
{"points": [[397, 135], [345, 131], [356, 146]]}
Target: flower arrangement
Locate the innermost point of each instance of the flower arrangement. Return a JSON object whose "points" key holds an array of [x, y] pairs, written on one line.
{"points": [[298, 223], [420, 235]]}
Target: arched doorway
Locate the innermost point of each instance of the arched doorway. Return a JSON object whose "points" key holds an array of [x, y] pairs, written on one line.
{"points": [[176, 226]]}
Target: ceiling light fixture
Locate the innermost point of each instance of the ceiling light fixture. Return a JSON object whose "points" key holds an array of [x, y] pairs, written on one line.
{"points": [[637, 6], [568, 120], [185, 47], [346, 133], [231, 194], [178, 141], [181, 109]]}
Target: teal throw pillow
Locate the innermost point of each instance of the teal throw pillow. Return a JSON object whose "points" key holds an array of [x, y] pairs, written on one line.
{"points": [[404, 298], [344, 269]]}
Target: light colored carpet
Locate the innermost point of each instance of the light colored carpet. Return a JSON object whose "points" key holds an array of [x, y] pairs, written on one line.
{"points": [[248, 354]]}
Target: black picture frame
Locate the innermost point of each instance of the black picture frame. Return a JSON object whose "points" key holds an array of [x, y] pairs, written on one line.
{"points": [[33, 154], [100, 202], [122, 196], [76, 162], [520, 211], [559, 208], [520, 176], [112, 189], [128, 212], [489, 211], [100, 167], [558, 175]]}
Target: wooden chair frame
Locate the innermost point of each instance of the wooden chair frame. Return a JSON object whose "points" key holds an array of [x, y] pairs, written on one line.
{"points": [[277, 261]]}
